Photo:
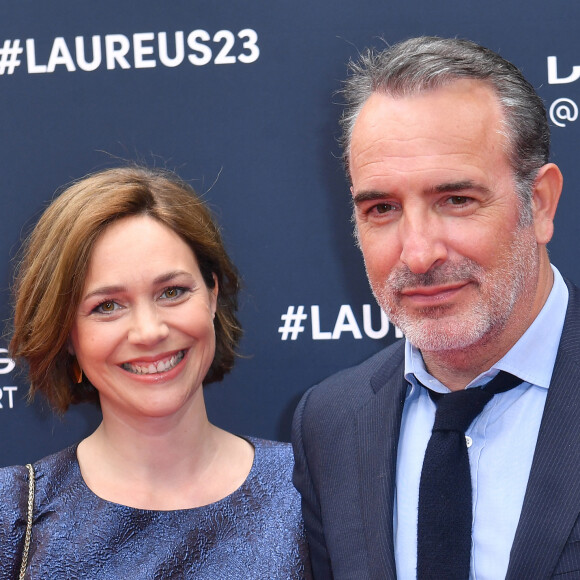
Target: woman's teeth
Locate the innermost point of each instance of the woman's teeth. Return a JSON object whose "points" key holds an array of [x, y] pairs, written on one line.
{"points": [[153, 368]]}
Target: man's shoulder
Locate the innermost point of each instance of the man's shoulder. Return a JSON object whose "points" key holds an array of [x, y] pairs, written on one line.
{"points": [[326, 412], [357, 383], [574, 299], [570, 340]]}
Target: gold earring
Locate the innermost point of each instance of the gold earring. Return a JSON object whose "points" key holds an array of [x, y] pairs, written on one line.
{"points": [[77, 371]]}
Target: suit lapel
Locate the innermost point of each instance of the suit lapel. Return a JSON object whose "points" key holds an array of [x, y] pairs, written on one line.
{"points": [[378, 423], [552, 500]]}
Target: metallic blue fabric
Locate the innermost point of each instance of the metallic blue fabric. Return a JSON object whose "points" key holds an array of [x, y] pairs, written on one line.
{"points": [[254, 533]]}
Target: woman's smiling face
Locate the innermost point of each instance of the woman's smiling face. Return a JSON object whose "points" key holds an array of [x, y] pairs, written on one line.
{"points": [[143, 333]]}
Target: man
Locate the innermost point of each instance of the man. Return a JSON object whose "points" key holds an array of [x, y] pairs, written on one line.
{"points": [[446, 146]]}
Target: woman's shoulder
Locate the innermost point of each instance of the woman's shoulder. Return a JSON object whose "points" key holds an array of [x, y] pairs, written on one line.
{"points": [[270, 446], [272, 469], [273, 454], [13, 513], [271, 504], [13, 489], [56, 463], [49, 471]]}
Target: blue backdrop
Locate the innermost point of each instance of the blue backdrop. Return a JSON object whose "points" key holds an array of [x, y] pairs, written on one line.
{"points": [[238, 97]]}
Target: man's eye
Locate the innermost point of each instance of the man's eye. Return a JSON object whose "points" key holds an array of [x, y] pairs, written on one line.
{"points": [[458, 200], [383, 208]]}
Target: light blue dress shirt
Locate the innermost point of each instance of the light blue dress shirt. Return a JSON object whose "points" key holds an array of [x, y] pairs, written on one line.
{"points": [[503, 439]]}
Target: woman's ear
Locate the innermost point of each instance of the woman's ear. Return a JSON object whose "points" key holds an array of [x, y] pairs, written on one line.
{"points": [[214, 294]]}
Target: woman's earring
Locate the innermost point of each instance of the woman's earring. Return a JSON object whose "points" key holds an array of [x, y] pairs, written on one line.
{"points": [[77, 371]]}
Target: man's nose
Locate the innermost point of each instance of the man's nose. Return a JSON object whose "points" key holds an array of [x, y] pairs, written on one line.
{"points": [[423, 243], [147, 326]]}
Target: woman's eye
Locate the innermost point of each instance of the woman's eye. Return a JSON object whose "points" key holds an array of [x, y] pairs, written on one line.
{"points": [[173, 292], [106, 307]]}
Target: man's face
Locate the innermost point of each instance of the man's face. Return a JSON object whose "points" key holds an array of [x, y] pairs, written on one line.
{"points": [[438, 217]]}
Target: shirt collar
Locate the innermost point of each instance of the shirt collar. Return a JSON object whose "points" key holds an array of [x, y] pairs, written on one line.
{"points": [[532, 357]]}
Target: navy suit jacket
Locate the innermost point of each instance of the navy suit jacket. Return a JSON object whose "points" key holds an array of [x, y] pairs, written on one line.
{"points": [[345, 436]]}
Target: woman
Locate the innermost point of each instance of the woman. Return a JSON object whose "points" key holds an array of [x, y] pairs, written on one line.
{"points": [[125, 296]]}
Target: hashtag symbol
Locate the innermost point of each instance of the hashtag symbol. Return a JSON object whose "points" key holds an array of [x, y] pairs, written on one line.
{"points": [[9, 56], [292, 323]]}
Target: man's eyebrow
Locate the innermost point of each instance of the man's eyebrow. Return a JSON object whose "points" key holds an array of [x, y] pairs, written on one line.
{"points": [[363, 196], [453, 186], [446, 187]]}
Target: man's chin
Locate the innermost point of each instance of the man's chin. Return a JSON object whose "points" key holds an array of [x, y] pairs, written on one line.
{"points": [[439, 334]]}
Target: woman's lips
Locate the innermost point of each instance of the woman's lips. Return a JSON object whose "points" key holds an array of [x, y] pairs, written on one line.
{"points": [[162, 365]]}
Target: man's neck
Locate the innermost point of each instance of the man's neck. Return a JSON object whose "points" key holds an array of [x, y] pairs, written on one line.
{"points": [[456, 369]]}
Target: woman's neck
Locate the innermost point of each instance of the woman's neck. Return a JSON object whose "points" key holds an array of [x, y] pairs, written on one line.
{"points": [[162, 464]]}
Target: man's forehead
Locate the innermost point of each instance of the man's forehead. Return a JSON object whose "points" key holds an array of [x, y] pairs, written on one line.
{"points": [[463, 89], [426, 86], [461, 109], [449, 134]]}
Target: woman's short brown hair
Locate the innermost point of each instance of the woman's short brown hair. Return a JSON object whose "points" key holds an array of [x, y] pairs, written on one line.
{"points": [[51, 274]]}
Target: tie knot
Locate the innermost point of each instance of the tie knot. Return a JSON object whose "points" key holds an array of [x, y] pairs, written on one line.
{"points": [[457, 410]]}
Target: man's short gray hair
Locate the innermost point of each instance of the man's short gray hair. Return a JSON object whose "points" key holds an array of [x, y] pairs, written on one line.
{"points": [[426, 63]]}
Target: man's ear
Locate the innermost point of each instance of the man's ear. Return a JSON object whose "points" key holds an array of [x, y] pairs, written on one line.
{"points": [[546, 194]]}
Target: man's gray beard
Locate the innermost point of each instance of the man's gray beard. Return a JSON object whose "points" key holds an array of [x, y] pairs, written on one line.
{"points": [[433, 331]]}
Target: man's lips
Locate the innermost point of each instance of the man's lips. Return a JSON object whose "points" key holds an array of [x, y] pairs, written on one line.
{"points": [[433, 294], [154, 366]]}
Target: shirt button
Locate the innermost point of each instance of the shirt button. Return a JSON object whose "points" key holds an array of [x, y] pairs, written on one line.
{"points": [[468, 441]]}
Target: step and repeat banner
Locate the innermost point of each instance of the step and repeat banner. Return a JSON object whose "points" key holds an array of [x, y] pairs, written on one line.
{"points": [[239, 97]]}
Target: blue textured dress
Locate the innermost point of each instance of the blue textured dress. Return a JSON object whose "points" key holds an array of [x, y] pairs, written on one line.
{"points": [[254, 533]]}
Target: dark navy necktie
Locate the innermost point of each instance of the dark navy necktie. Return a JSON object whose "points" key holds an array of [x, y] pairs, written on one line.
{"points": [[445, 511]]}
